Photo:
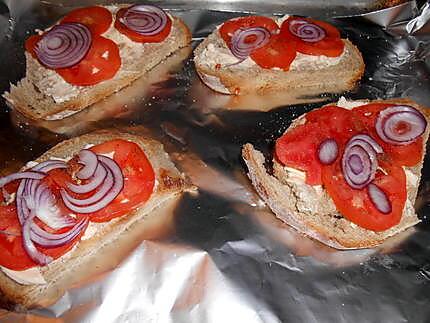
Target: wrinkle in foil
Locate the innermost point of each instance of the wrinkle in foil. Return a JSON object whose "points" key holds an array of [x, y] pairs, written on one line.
{"points": [[230, 259]]}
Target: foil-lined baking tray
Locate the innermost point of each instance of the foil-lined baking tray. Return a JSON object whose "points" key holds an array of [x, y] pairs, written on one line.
{"points": [[229, 259]]}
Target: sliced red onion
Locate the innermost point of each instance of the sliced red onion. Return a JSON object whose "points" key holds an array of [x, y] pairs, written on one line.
{"points": [[400, 125], [376, 147], [118, 184], [101, 192], [49, 165], [64, 45], [89, 159], [328, 151], [97, 179], [242, 47], [359, 163], [37, 256], [307, 31], [146, 20], [379, 198], [23, 175], [53, 240]]}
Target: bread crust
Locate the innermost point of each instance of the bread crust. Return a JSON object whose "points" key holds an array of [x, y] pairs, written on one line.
{"points": [[325, 224], [150, 221], [338, 78], [33, 103]]}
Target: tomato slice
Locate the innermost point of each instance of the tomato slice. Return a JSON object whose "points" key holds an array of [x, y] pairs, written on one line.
{"points": [[277, 53], [134, 36], [297, 148], [331, 45], [101, 63], [139, 178], [229, 27], [12, 253], [97, 19], [356, 206], [30, 44]]}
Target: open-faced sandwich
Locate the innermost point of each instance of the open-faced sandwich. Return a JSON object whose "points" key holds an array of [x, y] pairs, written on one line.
{"points": [[261, 54], [62, 211], [91, 53], [346, 174]]}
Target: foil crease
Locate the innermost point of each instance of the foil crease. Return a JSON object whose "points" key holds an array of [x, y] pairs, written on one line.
{"points": [[230, 259]]}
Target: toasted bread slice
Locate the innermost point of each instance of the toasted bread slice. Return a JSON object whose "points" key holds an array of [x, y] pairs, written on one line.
{"points": [[43, 94], [313, 76], [310, 210], [116, 237]]}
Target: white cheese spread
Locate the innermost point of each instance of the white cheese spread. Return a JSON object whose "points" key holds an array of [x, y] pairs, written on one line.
{"points": [[214, 83], [61, 115], [31, 276], [344, 103]]}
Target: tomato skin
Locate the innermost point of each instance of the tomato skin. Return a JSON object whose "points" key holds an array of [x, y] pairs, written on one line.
{"points": [[96, 18], [12, 253], [356, 206], [96, 65], [134, 36], [277, 53], [229, 27], [331, 46], [30, 44]]}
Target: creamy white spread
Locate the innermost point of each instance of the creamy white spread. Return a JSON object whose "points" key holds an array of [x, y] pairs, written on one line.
{"points": [[411, 178], [31, 276], [347, 104], [90, 231]]}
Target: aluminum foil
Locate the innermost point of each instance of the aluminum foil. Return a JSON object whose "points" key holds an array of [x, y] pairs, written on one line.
{"points": [[229, 259]]}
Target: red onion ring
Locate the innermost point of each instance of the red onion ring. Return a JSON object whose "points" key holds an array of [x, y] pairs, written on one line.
{"points": [[359, 163], [64, 45], [328, 151], [49, 165], [376, 147], [379, 199], [37, 256], [118, 183], [240, 45], [53, 240], [89, 159], [102, 191], [390, 119], [97, 179], [146, 20], [307, 31], [22, 175]]}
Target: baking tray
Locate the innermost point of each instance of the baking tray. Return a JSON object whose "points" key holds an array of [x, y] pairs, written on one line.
{"points": [[229, 259]]}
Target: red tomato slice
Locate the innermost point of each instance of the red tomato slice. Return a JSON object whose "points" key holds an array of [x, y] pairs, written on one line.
{"points": [[139, 178], [277, 53], [97, 19], [297, 148], [407, 155], [30, 44], [134, 36], [101, 63], [356, 206], [229, 27], [331, 45], [12, 254]]}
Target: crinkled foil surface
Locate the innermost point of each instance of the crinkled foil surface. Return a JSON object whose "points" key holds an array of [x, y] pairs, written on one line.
{"points": [[229, 259]]}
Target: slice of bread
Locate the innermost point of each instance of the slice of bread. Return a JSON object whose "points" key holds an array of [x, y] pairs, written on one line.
{"points": [[112, 240], [310, 210], [43, 94], [247, 77]]}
